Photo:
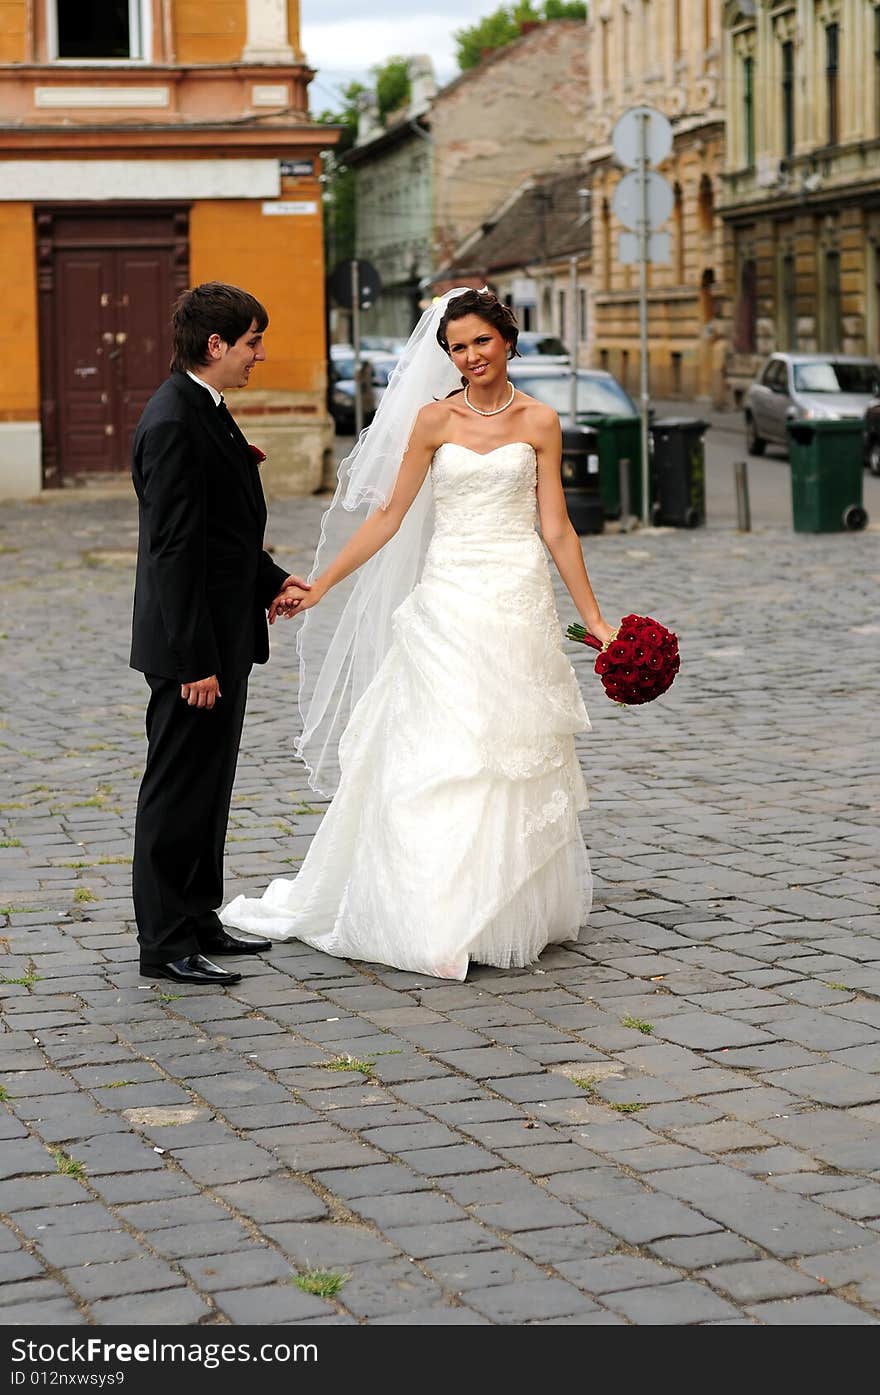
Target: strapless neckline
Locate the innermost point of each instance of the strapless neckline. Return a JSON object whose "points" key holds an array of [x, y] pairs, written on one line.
{"points": [[484, 454]]}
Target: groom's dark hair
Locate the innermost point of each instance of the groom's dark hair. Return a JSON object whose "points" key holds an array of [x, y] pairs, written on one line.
{"points": [[212, 308]]}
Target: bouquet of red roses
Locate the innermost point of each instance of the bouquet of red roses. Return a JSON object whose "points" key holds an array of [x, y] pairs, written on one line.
{"points": [[639, 661]]}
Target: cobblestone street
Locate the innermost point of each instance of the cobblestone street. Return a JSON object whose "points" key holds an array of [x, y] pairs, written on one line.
{"points": [[674, 1121]]}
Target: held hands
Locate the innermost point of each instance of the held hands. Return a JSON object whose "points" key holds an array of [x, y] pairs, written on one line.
{"points": [[296, 597]]}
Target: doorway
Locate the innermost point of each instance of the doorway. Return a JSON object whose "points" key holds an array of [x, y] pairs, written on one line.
{"points": [[107, 283]]}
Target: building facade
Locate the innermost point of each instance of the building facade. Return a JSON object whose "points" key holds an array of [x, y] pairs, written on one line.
{"points": [[521, 112], [145, 147], [665, 54], [801, 206], [393, 173], [534, 253]]}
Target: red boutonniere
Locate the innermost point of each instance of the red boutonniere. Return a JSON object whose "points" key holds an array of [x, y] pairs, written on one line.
{"points": [[259, 455]]}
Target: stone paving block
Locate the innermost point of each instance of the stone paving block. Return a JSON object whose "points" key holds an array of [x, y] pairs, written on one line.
{"points": [[63, 1251], [120, 1277], [27, 1193], [175, 1307], [705, 1031], [753, 1280], [390, 1286], [594, 1182], [675, 1304], [317, 1157], [270, 1303], [200, 1238], [452, 1160], [329, 1244], [771, 1162], [444, 1238], [831, 1084], [400, 1138], [131, 1187], [639, 1220], [556, 1244], [515, 1303], [459, 1316], [723, 1136], [471, 1272], [545, 1159], [697, 1251], [820, 1310], [615, 1273], [541, 1213], [412, 1208], [230, 1162], [20, 1265], [25, 1157], [242, 1269], [58, 1311], [862, 1203]]}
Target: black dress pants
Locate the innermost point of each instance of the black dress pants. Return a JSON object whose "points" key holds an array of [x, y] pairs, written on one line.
{"points": [[182, 814]]}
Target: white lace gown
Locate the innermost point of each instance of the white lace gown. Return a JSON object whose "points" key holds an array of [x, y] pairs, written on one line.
{"points": [[454, 835]]}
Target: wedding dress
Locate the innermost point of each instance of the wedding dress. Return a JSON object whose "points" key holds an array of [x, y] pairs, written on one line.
{"points": [[454, 835]]}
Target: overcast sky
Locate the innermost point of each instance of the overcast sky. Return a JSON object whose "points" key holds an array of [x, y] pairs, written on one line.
{"points": [[344, 38]]}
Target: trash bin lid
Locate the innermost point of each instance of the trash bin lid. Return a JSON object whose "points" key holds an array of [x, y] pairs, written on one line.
{"points": [[680, 424]]}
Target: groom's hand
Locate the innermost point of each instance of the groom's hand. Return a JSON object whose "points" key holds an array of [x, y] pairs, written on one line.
{"points": [[203, 693], [283, 603]]}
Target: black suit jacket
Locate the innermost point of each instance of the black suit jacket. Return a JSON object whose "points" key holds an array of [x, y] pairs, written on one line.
{"points": [[203, 582]]}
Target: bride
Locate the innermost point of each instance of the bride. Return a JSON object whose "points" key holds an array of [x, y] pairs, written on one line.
{"points": [[439, 699]]}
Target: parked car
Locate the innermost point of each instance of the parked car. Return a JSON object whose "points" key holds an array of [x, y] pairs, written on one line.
{"points": [[544, 347], [598, 393], [382, 344], [375, 372], [872, 438], [807, 387]]}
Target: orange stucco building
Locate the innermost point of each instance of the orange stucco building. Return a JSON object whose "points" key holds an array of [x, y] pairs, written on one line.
{"points": [[145, 146]]}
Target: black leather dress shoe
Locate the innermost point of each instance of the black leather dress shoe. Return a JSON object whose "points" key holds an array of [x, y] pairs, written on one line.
{"points": [[219, 942], [195, 968]]}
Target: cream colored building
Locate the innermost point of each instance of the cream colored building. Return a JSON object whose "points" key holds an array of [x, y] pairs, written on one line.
{"points": [[802, 178], [666, 54], [521, 112]]}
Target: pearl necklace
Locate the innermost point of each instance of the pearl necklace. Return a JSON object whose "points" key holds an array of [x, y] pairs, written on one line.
{"points": [[494, 410]]}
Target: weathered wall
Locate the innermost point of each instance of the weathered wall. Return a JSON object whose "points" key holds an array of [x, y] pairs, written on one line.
{"points": [[522, 111]]}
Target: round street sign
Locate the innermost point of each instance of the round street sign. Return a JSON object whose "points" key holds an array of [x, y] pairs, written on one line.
{"points": [[339, 284], [627, 136], [626, 202]]}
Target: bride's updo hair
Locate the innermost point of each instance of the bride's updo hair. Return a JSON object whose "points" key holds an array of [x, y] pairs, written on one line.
{"points": [[489, 308]]}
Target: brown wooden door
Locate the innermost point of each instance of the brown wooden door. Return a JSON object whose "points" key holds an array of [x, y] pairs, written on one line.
{"points": [[107, 286]]}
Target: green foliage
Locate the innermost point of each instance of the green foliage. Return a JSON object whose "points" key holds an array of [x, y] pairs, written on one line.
{"points": [[320, 1282], [504, 25], [392, 85]]}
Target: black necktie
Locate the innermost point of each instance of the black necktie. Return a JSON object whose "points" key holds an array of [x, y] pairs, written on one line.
{"points": [[227, 418]]}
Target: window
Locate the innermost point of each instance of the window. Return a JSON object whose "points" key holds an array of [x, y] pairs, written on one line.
{"points": [[677, 32], [749, 110], [582, 315], [84, 30], [833, 328], [605, 56], [561, 325], [788, 98], [747, 308], [708, 6], [787, 303], [877, 70], [832, 32], [678, 224]]}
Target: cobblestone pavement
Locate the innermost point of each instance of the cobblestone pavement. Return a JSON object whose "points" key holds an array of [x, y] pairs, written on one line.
{"points": [[676, 1120]]}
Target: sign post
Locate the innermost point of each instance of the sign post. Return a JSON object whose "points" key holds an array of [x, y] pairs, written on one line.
{"points": [[356, 340], [642, 201], [355, 285]]}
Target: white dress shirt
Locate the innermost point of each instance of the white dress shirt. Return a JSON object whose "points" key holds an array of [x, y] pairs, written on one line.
{"points": [[217, 396]]}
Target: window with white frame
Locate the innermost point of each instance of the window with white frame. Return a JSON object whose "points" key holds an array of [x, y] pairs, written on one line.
{"points": [[88, 31]]}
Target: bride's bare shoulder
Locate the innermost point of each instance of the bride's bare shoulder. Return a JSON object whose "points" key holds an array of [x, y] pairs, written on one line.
{"points": [[433, 418]]}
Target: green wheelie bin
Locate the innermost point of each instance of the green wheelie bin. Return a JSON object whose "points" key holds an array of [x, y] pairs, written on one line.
{"points": [[827, 468], [620, 438]]}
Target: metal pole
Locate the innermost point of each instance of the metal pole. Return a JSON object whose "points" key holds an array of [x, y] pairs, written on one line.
{"points": [[623, 467], [741, 484], [644, 119], [573, 322], [356, 336]]}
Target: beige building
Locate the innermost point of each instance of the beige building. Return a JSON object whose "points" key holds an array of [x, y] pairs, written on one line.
{"points": [[801, 205], [521, 112], [666, 54]]}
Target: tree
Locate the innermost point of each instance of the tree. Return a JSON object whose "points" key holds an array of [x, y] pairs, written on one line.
{"points": [[505, 24]]}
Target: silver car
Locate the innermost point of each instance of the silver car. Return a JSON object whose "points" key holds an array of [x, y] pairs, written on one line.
{"points": [[805, 387]]}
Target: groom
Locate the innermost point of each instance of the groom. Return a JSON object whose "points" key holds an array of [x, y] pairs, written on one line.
{"points": [[203, 587]]}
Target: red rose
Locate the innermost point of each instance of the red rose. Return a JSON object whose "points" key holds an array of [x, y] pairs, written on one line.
{"points": [[258, 454], [619, 652], [602, 665]]}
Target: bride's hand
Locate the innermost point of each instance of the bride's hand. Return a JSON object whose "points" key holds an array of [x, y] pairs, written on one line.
{"points": [[602, 630]]}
